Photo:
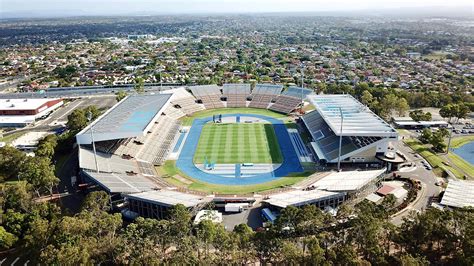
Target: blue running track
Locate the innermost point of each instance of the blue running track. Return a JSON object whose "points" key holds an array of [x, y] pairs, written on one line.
{"points": [[180, 140], [291, 163]]}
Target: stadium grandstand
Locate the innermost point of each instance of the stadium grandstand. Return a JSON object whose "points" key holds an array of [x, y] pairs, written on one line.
{"points": [[363, 135], [156, 204], [290, 99], [264, 94], [209, 95], [182, 103], [329, 190], [236, 94]]}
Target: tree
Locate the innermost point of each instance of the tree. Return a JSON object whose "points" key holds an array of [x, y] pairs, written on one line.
{"points": [[139, 85], [77, 120], [11, 160], [447, 111], [120, 95], [437, 140], [96, 201], [426, 136], [402, 106], [39, 172], [462, 111], [366, 98], [47, 146], [7, 240]]}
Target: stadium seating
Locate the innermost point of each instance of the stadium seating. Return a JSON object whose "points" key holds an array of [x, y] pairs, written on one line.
{"points": [[212, 101], [285, 104], [261, 100], [325, 138], [174, 112], [236, 94], [209, 95], [236, 100], [155, 145], [184, 101], [263, 95]]}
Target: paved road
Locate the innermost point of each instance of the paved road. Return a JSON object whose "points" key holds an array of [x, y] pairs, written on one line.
{"points": [[428, 181], [74, 92]]}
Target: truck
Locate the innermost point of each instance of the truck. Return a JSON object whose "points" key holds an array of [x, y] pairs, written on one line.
{"points": [[235, 207]]}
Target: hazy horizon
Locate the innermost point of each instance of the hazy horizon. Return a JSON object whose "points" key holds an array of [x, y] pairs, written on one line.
{"points": [[41, 8]]}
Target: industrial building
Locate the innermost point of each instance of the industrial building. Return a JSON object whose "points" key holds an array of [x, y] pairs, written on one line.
{"points": [[22, 112]]}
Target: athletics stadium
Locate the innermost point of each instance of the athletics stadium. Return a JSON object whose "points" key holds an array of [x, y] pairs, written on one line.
{"points": [[231, 144]]}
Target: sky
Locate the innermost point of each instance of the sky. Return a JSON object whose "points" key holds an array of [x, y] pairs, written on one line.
{"points": [[112, 7]]}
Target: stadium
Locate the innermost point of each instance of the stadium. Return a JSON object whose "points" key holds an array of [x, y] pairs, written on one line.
{"points": [[234, 144]]}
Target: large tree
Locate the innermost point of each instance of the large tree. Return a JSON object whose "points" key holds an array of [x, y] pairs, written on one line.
{"points": [[38, 172]]}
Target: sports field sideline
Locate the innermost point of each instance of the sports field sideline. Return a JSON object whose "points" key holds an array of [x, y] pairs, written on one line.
{"points": [[238, 143]]}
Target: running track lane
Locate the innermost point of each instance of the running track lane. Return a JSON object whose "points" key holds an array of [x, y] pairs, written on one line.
{"points": [[291, 163]]}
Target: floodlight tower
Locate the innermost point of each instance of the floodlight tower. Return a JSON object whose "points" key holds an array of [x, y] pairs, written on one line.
{"points": [[302, 84], [340, 141], [89, 117], [449, 140]]}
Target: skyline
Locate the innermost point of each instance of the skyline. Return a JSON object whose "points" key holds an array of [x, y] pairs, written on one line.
{"points": [[41, 8]]}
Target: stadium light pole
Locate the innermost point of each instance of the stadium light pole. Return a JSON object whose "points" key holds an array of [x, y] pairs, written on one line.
{"points": [[161, 79], [340, 141], [89, 117], [302, 84], [449, 140]]}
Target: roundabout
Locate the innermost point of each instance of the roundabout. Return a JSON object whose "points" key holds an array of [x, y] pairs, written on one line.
{"points": [[243, 158]]}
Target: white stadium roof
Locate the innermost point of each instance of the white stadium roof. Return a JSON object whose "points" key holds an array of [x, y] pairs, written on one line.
{"points": [[168, 198], [347, 181], [301, 197], [358, 119], [131, 117], [459, 194], [122, 183]]}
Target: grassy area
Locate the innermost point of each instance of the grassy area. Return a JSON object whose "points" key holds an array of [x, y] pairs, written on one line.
{"points": [[434, 160], [460, 141], [10, 138], [462, 164], [437, 55], [238, 143], [170, 169], [187, 121]]}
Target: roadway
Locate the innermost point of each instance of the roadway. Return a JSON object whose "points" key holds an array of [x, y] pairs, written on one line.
{"points": [[427, 179], [84, 91]]}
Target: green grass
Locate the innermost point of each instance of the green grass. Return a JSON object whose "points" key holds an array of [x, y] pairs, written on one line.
{"points": [[169, 168], [187, 121], [281, 182], [437, 55], [238, 143], [10, 138], [434, 160], [462, 164], [458, 142]]}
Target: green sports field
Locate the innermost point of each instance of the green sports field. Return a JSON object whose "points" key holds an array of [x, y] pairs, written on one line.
{"points": [[238, 143]]}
